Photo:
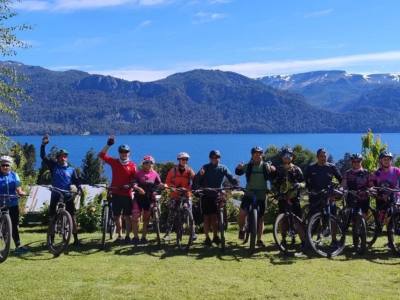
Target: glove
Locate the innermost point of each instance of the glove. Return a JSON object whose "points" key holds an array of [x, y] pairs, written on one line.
{"points": [[110, 141], [73, 188], [45, 139], [296, 185]]}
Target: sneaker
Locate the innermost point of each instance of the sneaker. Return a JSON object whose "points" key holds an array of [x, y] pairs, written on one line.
{"points": [[260, 243], [135, 241], [241, 234], [216, 240], [194, 236], [207, 242], [143, 241], [21, 250], [167, 237], [76, 242], [127, 240]]}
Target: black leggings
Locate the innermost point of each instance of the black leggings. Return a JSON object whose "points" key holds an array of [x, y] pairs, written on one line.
{"points": [[14, 215]]}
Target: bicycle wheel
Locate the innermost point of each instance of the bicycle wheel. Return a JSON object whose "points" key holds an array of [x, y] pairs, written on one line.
{"points": [[156, 225], [372, 225], [104, 225], [253, 219], [5, 236], [221, 228], [325, 235], [285, 234], [359, 234], [59, 233], [394, 233]]}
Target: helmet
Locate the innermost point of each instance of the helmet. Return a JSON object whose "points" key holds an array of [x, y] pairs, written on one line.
{"points": [[257, 149], [183, 155], [356, 156], [321, 150], [214, 153], [148, 158], [385, 153], [124, 148], [286, 151], [6, 159], [61, 152]]}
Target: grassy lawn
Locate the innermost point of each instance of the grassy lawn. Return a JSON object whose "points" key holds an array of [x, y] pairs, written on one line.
{"points": [[148, 272]]}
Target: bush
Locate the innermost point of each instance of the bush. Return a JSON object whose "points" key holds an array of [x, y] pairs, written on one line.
{"points": [[89, 216]]}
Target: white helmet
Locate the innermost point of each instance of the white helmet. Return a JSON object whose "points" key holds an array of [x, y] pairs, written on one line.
{"points": [[6, 159], [182, 155]]}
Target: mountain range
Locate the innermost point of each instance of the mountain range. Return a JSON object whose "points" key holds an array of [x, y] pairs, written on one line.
{"points": [[204, 101]]}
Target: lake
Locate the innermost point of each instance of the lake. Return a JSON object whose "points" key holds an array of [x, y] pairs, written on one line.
{"points": [[234, 147]]}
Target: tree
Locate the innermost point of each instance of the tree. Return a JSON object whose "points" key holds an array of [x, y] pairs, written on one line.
{"points": [[303, 157], [371, 148], [11, 95], [92, 169]]}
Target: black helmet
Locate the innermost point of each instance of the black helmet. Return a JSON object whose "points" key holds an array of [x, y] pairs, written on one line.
{"points": [[356, 156], [124, 148], [321, 150], [257, 149], [61, 152], [214, 153], [385, 153], [286, 151]]}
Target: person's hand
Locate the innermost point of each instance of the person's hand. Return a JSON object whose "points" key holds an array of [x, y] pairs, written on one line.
{"points": [[296, 185], [45, 139], [240, 166], [111, 140], [202, 171], [140, 190], [21, 193], [73, 188]]}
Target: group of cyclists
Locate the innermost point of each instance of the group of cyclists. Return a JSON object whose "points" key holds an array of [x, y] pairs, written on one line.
{"points": [[131, 186]]}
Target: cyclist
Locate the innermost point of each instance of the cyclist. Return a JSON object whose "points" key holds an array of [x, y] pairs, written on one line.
{"points": [[288, 179], [146, 180], [385, 176], [319, 176], [212, 175], [10, 184], [123, 174], [64, 177], [357, 179], [179, 176], [257, 174]]}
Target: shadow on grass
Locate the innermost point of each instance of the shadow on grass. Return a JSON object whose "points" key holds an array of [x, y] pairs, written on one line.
{"points": [[377, 255]]}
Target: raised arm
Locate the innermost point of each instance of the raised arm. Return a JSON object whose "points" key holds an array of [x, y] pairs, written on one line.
{"points": [[49, 162]]}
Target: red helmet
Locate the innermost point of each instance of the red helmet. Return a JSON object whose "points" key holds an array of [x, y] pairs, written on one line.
{"points": [[148, 158]]}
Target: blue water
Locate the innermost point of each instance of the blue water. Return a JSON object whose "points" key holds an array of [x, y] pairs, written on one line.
{"points": [[234, 147]]}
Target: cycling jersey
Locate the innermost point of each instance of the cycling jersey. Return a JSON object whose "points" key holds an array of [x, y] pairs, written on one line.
{"points": [[122, 174], [389, 178], [319, 177], [177, 177], [8, 185], [147, 180], [285, 178], [357, 180], [62, 176], [214, 176]]}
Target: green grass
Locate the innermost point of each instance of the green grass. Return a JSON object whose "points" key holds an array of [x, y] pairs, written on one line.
{"points": [[125, 272]]}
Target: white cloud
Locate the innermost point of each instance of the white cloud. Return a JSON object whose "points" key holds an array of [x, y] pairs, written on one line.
{"points": [[259, 69], [220, 1], [68, 5], [143, 24], [205, 17], [319, 13]]}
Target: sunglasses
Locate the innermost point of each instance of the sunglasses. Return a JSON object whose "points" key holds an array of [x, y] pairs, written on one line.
{"points": [[147, 163], [186, 159], [215, 157], [356, 161], [6, 166]]}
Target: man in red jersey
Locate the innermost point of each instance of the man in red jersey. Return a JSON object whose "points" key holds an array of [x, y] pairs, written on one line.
{"points": [[123, 173]]}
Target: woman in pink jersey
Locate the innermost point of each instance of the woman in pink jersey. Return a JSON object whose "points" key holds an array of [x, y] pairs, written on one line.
{"points": [[146, 179]]}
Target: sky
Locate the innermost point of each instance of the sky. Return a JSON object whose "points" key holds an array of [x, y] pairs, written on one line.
{"points": [[150, 39]]}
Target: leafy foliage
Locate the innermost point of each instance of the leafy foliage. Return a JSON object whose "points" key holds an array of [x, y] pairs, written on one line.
{"points": [[92, 169], [371, 148]]}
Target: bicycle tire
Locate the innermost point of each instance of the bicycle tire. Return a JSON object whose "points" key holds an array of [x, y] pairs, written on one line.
{"points": [[156, 225], [253, 229], [359, 234], [65, 231], [393, 233], [372, 226], [317, 223], [5, 235], [104, 227], [221, 226]]}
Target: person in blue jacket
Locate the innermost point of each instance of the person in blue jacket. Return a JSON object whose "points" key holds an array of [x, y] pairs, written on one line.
{"points": [[11, 190], [64, 177]]}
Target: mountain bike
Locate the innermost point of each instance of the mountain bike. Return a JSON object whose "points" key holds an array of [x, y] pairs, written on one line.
{"points": [[390, 213], [107, 223], [61, 224], [155, 209], [5, 227], [220, 196], [325, 234], [183, 223], [288, 229]]}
